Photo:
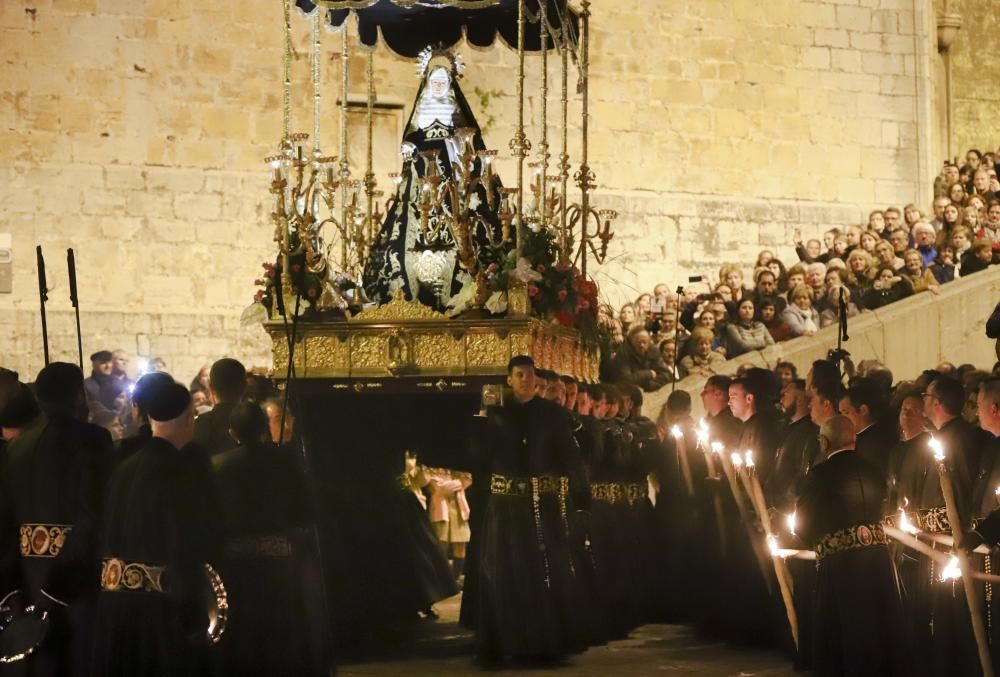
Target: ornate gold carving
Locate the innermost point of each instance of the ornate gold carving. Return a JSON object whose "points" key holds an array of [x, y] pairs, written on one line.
{"points": [[43, 540], [520, 342], [325, 354], [368, 352], [439, 349], [399, 309], [399, 352], [486, 349], [117, 574]]}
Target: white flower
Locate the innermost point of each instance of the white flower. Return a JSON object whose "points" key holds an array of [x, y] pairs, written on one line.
{"points": [[460, 300], [497, 302], [524, 272]]}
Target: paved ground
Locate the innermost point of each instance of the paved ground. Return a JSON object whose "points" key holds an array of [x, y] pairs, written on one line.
{"points": [[650, 650]]}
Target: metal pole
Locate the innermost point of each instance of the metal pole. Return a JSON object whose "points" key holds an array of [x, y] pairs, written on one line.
{"points": [[345, 171], [43, 296], [543, 146], [519, 143], [75, 300], [584, 176]]}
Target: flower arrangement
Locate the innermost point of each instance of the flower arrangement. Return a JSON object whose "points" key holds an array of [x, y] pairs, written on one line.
{"points": [[556, 290]]}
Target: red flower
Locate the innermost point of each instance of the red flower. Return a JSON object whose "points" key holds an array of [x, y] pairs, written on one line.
{"points": [[296, 267], [540, 268], [532, 290], [561, 267], [491, 268], [584, 304], [312, 292], [563, 294], [564, 318]]}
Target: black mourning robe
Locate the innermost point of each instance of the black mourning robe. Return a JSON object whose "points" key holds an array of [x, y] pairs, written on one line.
{"points": [[526, 585], [762, 434], [268, 565], [859, 628], [875, 444], [56, 473], [795, 456], [211, 429], [161, 510]]}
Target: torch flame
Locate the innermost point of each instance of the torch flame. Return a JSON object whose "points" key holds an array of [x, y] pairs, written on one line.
{"points": [[997, 491], [702, 433], [736, 459], [717, 447], [748, 458], [772, 546], [675, 430], [951, 570], [938, 449], [790, 520], [904, 523]]}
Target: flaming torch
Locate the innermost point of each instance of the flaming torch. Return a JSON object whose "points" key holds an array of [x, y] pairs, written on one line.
{"points": [[680, 445], [960, 559]]}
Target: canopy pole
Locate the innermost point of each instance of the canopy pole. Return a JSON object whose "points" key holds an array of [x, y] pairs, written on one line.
{"points": [[543, 146], [519, 144], [345, 171], [564, 156], [584, 177], [315, 73], [370, 173]]}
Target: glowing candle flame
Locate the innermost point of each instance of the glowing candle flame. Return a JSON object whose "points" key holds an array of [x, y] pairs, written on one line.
{"points": [[676, 432], [748, 458], [772, 546], [904, 523], [938, 449], [790, 521], [951, 570], [736, 459], [702, 433], [997, 492], [717, 447]]}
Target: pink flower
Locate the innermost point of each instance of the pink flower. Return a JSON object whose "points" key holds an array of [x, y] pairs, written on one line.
{"points": [[312, 292], [563, 294], [532, 290], [540, 268]]}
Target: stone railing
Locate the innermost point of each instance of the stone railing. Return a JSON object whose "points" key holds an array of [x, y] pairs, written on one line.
{"points": [[907, 336]]}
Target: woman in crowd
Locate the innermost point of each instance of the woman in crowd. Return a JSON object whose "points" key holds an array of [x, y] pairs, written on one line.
{"points": [[956, 193], [746, 333], [887, 288], [885, 255], [990, 229], [732, 276], [200, 382], [943, 267], [800, 316], [627, 317], [780, 274], [919, 277], [868, 241], [701, 360], [961, 241], [767, 313], [876, 221], [830, 312]]}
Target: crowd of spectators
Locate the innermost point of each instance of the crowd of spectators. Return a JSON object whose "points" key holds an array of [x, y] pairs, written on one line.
{"points": [[665, 336]]}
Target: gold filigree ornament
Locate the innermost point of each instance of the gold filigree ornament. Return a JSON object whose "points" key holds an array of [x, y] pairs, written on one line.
{"points": [[43, 540], [398, 309]]}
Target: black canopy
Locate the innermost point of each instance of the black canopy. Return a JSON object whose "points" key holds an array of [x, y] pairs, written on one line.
{"points": [[408, 26]]}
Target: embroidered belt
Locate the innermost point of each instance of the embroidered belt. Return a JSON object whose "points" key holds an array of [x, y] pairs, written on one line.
{"points": [[522, 486], [930, 520], [611, 492], [118, 574], [635, 492], [852, 538], [43, 540], [268, 545]]}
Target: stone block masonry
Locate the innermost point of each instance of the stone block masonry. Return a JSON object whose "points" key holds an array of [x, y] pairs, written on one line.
{"points": [[135, 133]]}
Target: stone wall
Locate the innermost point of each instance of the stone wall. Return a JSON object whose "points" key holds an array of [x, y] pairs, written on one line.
{"points": [[134, 132], [908, 337], [976, 89]]}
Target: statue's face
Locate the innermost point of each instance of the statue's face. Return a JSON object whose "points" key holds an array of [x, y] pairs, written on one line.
{"points": [[438, 82]]}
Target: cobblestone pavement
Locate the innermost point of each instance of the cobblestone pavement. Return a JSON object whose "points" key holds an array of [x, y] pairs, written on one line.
{"points": [[650, 650]]}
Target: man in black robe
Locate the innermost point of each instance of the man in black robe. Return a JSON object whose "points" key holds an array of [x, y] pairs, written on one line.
{"points": [[144, 386], [876, 436], [226, 383], [723, 427], [944, 399], [526, 583], [268, 565], [794, 455], [159, 532], [54, 482], [751, 399], [858, 619]]}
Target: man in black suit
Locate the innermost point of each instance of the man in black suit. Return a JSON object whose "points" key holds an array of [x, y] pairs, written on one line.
{"points": [[226, 383], [876, 436], [858, 615]]}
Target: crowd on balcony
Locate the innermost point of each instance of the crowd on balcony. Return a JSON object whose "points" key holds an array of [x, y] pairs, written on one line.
{"points": [[664, 336]]}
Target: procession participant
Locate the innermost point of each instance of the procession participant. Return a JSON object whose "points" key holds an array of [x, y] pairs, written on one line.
{"points": [[944, 399], [160, 530], [54, 479], [143, 392], [857, 607], [722, 425], [913, 442], [751, 399], [875, 438], [793, 455], [268, 561], [645, 450], [526, 584], [572, 390], [226, 384], [984, 496]]}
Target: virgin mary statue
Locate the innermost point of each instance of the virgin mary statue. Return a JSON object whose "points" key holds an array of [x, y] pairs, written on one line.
{"points": [[421, 259]]}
